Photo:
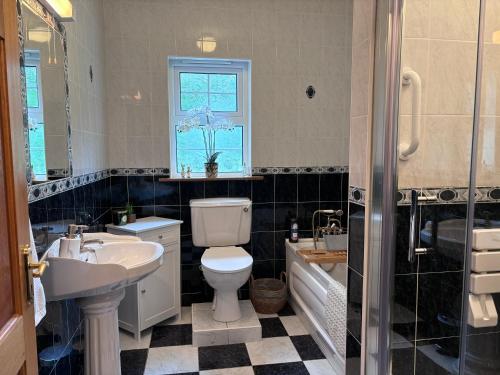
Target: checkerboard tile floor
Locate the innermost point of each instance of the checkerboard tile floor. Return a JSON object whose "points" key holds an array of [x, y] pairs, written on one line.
{"points": [[286, 348]]}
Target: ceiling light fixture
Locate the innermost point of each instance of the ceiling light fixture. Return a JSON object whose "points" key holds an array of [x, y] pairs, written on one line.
{"points": [[61, 9]]}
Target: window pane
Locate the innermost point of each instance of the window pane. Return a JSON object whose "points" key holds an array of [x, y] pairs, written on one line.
{"points": [[190, 101], [223, 103], [230, 161], [32, 97], [37, 138], [38, 162], [223, 83], [192, 139], [31, 80], [194, 82], [230, 139], [191, 150]]}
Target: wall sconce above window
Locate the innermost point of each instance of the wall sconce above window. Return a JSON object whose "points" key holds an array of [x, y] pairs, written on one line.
{"points": [[61, 9], [206, 44]]}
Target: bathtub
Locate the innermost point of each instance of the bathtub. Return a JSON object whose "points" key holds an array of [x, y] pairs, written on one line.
{"points": [[308, 285]]}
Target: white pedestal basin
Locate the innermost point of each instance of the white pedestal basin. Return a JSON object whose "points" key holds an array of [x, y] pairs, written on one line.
{"points": [[97, 282]]}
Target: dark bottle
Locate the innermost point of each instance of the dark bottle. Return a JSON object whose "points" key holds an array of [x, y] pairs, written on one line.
{"points": [[294, 231]]}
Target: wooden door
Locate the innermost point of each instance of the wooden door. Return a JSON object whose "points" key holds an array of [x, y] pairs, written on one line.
{"points": [[17, 325]]}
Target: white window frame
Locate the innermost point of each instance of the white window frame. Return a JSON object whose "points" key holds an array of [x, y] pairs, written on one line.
{"points": [[242, 69]]}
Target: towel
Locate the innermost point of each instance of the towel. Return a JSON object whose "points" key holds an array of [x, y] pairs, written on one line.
{"points": [[335, 315], [39, 293]]}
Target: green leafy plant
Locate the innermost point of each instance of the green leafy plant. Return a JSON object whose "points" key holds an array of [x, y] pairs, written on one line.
{"points": [[213, 158], [129, 208]]}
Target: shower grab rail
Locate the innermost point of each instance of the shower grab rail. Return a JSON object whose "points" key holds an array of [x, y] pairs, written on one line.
{"points": [[413, 251], [411, 77]]}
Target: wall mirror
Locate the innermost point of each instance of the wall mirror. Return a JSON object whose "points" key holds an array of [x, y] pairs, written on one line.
{"points": [[45, 94]]}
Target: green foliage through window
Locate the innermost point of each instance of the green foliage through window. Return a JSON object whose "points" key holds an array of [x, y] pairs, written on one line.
{"points": [[217, 91]]}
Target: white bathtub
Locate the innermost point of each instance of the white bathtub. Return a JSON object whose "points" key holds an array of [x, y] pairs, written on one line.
{"points": [[308, 285]]}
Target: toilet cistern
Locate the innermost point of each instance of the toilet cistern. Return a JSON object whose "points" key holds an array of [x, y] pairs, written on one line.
{"points": [[220, 224]]}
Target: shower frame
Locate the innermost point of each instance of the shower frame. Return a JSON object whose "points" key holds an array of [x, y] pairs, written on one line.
{"points": [[376, 353]]}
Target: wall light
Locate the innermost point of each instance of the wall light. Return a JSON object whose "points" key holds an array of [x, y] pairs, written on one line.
{"points": [[39, 35], [207, 44], [61, 9]]}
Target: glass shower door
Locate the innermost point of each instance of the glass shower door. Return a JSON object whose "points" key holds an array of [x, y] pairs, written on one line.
{"points": [[435, 127]]}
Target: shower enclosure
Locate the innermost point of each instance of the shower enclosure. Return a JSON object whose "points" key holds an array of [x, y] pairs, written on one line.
{"points": [[435, 178]]}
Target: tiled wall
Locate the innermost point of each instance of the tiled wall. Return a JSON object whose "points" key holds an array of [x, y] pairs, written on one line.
{"points": [[428, 297], [275, 200], [436, 34], [62, 326], [292, 44]]}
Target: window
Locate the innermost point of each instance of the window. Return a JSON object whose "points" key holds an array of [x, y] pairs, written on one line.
{"points": [[222, 88], [32, 98]]}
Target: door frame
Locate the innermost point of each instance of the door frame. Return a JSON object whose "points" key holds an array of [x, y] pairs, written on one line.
{"points": [[22, 324]]}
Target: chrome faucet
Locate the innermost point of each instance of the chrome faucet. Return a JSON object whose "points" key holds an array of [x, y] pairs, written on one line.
{"points": [[333, 226], [77, 230]]}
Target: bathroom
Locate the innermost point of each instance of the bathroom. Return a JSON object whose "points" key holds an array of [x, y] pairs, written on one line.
{"points": [[364, 128]]}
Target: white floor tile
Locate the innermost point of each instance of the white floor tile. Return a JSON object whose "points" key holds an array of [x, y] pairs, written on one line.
{"points": [[183, 318], [230, 371], [272, 350], [128, 341], [319, 367], [293, 325], [263, 316], [172, 360]]}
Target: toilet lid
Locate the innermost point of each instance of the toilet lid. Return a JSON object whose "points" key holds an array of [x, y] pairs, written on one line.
{"points": [[226, 259]]}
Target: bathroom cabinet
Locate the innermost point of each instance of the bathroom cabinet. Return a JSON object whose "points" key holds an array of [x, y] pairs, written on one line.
{"points": [[158, 296]]}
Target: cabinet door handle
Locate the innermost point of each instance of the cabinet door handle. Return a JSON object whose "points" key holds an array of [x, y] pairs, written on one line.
{"points": [[160, 236], [143, 291]]}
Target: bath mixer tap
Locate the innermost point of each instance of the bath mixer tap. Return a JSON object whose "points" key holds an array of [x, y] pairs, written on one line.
{"points": [[333, 226]]}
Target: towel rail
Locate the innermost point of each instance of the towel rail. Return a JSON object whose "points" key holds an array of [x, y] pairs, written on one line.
{"points": [[411, 78]]}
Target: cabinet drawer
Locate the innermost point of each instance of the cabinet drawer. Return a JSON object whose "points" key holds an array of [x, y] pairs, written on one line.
{"points": [[163, 236]]}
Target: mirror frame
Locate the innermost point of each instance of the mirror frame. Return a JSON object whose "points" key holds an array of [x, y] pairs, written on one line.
{"points": [[38, 9]]}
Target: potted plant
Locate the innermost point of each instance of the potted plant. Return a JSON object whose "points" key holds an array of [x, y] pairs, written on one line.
{"points": [[131, 216], [204, 120]]}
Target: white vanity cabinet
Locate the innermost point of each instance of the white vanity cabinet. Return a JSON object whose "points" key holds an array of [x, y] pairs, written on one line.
{"points": [[158, 296]]}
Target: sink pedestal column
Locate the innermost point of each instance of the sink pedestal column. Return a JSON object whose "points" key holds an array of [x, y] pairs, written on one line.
{"points": [[102, 342]]}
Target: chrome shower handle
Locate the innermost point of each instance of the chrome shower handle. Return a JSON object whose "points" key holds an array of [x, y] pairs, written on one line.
{"points": [[413, 251]]}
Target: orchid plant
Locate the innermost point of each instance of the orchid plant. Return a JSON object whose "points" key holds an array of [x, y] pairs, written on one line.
{"points": [[203, 118]]}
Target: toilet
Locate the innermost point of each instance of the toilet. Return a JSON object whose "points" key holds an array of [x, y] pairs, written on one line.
{"points": [[220, 224]]}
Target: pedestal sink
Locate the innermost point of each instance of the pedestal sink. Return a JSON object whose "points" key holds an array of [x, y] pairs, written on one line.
{"points": [[97, 283]]}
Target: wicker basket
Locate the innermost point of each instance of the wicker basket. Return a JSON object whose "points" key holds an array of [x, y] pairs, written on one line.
{"points": [[268, 295]]}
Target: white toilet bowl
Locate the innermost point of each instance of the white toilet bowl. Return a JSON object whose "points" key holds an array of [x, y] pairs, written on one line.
{"points": [[226, 269]]}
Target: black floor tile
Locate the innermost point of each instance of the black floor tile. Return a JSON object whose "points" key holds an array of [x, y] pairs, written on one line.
{"points": [[133, 362], [295, 368], [272, 327], [223, 356], [172, 335], [307, 347], [286, 311]]}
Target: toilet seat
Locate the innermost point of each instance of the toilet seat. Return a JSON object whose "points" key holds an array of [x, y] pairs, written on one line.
{"points": [[228, 259]]}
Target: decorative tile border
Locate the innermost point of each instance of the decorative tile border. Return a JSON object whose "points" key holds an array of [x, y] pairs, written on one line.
{"points": [[357, 195], [139, 172], [47, 189], [446, 195], [300, 170]]}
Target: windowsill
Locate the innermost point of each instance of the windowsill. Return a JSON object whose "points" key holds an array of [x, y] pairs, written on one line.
{"points": [[222, 178]]}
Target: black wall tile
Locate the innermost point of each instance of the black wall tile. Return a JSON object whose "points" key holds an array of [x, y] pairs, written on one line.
{"points": [[308, 187], [263, 246], [353, 356], [191, 190], [284, 212], [354, 303], [119, 191], [141, 190], [167, 193], [169, 212], [430, 355], [215, 189], [356, 237], [286, 188], [263, 217], [305, 213], [263, 191], [331, 187], [240, 189], [404, 308]]}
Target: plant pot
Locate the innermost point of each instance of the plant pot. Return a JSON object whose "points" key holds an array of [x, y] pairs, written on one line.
{"points": [[131, 218], [211, 170]]}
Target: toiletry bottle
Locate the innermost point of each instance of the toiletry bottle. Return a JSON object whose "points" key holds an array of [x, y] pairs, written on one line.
{"points": [[294, 231]]}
